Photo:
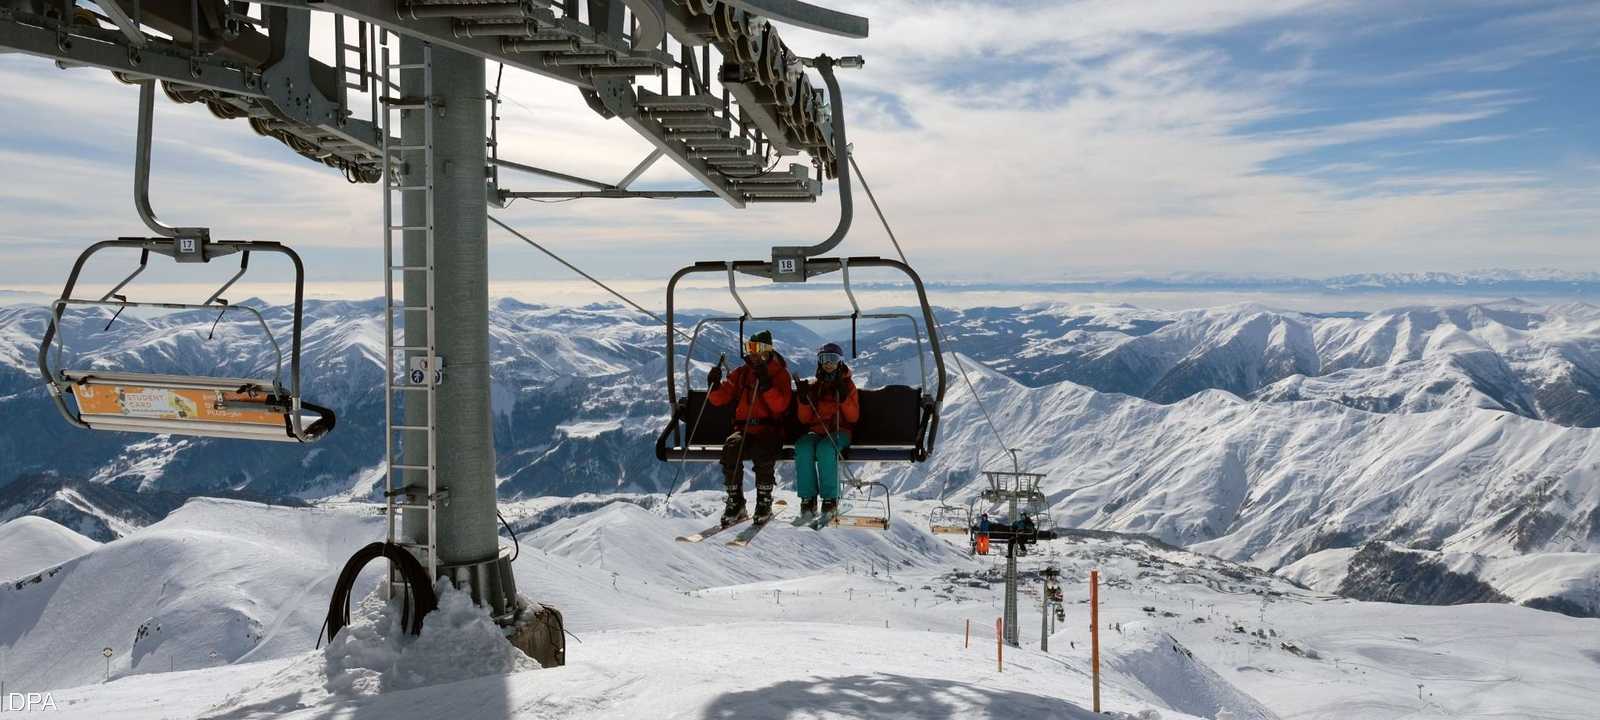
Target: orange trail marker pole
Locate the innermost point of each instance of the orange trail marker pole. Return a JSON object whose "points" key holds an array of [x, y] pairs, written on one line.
{"points": [[1094, 632], [999, 645]]}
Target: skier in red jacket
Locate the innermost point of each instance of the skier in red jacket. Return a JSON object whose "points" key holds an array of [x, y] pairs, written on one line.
{"points": [[761, 390]]}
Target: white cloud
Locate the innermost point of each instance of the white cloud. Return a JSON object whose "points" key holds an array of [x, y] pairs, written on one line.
{"points": [[1049, 139]]}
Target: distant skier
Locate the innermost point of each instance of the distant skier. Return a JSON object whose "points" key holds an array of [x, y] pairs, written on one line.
{"points": [[980, 541], [829, 406], [762, 391]]}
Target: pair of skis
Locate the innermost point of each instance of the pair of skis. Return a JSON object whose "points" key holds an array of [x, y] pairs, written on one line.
{"points": [[746, 534], [822, 519]]}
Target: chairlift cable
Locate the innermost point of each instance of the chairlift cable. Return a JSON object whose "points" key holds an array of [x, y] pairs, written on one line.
{"points": [[585, 275], [875, 208], [666, 502], [959, 364]]}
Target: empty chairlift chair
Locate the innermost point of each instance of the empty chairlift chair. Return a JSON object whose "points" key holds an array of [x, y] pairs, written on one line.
{"points": [[899, 423], [243, 408], [950, 520]]}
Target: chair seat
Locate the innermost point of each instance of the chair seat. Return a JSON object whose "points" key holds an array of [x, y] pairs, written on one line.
{"points": [[202, 406]]}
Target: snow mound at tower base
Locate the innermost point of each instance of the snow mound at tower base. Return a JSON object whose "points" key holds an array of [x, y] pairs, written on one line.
{"points": [[374, 655]]}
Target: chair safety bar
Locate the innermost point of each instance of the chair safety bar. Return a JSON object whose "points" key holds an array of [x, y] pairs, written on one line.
{"points": [[187, 405]]}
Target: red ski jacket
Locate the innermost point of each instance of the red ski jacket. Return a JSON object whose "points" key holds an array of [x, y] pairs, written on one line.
{"points": [[831, 405], [757, 411]]}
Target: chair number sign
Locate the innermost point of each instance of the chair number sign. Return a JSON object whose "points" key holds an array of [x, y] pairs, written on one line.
{"points": [[787, 266]]}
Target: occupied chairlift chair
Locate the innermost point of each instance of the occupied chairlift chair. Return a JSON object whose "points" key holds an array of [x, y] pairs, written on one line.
{"points": [[1023, 487], [899, 423], [251, 409]]}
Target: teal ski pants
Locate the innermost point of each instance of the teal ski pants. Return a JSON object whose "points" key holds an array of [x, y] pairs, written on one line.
{"points": [[816, 463]]}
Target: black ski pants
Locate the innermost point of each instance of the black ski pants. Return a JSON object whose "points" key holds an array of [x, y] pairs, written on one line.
{"points": [[761, 449]]}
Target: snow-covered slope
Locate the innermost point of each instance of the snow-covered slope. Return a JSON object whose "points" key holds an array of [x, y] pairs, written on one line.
{"points": [[29, 544], [613, 539], [215, 582], [1184, 635]]}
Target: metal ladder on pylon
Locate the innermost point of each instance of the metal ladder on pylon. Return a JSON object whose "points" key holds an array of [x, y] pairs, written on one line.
{"points": [[409, 486]]}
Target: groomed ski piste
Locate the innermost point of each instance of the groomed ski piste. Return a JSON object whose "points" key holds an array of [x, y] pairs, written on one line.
{"points": [[215, 611]]}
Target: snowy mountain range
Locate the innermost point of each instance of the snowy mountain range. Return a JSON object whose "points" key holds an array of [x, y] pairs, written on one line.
{"points": [[1491, 282], [1259, 435]]}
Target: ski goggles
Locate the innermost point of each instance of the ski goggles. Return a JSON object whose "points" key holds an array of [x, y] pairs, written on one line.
{"points": [[828, 358], [756, 347]]}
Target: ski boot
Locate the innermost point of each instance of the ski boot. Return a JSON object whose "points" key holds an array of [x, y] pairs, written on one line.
{"points": [[808, 509], [830, 508], [763, 511], [733, 509]]}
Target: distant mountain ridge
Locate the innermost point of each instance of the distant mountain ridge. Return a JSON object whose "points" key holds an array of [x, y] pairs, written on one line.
{"points": [[1540, 281]]}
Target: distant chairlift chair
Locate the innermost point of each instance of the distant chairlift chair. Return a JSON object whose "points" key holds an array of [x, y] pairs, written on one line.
{"points": [[250, 409], [898, 423], [949, 520]]}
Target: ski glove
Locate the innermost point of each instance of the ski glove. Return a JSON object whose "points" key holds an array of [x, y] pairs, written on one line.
{"points": [[714, 377]]}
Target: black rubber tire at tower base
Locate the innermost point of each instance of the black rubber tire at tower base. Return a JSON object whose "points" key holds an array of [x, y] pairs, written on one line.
{"points": [[416, 577]]}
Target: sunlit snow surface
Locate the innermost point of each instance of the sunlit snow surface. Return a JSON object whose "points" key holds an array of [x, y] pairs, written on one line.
{"points": [[836, 624]]}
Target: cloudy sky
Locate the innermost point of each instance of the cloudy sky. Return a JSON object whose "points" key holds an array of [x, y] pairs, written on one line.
{"points": [[1018, 141]]}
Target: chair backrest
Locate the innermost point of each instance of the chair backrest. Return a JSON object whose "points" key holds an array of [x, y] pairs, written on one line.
{"points": [[889, 416], [714, 425]]}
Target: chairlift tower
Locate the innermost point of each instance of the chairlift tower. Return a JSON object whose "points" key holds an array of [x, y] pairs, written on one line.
{"points": [[1051, 585], [445, 315], [1013, 488]]}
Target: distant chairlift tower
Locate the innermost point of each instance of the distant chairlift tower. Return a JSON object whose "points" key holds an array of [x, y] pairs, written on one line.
{"points": [[1047, 594], [1012, 488]]}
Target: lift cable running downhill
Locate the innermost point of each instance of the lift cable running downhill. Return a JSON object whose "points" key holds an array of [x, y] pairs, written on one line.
{"points": [[677, 474], [614, 293]]}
